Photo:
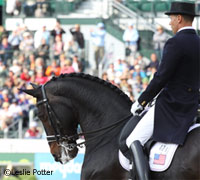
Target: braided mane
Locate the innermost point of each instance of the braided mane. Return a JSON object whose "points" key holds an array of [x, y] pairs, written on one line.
{"points": [[95, 79]]}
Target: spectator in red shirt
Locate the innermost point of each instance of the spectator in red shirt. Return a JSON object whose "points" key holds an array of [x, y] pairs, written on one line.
{"points": [[25, 75], [40, 78], [33, 131]]}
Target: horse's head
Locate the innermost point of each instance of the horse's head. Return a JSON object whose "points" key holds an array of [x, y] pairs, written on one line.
{"points": [[58, 119]]}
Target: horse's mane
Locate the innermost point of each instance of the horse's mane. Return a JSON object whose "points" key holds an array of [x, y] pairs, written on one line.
{"points": [[95, 79]]}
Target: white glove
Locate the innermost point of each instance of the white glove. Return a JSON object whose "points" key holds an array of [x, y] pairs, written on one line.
{"points": [[136, 108]]}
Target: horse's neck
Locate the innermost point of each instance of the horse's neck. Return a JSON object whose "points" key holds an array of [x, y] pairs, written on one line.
{"points": [[97, 106]]}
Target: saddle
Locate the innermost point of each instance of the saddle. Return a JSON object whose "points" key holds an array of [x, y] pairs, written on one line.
{"points": [[160, 155]]}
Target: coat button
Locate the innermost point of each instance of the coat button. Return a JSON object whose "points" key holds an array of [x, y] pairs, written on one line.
{"points": [[189, 89]]}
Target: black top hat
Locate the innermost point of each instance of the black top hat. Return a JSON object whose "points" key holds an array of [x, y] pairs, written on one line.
{"points": [[182, 8]]}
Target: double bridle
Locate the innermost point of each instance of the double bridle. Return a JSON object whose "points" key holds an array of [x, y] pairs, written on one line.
{"points": [[59, 137]]}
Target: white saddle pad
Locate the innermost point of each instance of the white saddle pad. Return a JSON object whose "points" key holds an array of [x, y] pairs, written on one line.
{"points": [[160, 158]]}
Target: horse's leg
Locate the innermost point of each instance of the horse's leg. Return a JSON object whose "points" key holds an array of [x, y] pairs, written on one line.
{"points": [[186, 162]]}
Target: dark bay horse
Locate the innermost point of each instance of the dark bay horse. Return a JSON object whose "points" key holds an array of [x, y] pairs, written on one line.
{"points": [[102, 110]]}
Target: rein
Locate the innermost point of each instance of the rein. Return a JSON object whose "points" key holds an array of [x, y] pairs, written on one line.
{"points": [[58, 137]]}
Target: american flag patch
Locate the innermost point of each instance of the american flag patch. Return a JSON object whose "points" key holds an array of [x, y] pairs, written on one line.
{"points": [[159, 159]]}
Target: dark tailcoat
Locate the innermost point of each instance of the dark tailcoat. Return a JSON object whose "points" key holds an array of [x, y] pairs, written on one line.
{"points": [[177, 80]]}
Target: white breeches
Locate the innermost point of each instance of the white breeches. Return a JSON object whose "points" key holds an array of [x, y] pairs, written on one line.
{"points": [[144, 129]]}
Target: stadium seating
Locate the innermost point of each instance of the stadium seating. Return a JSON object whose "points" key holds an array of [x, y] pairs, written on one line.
{"points": [[151, 5]]}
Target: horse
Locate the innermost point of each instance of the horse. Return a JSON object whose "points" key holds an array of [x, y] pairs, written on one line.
{"points": [[101, 109]]}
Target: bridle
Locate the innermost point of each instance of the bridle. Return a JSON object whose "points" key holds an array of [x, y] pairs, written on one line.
{"points": [[59, 137]]}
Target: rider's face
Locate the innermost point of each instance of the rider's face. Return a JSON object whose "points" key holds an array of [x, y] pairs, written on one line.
{"points": [[174, 23]]}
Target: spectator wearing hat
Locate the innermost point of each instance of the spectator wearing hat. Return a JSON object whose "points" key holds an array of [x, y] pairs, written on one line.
{"points": [[33, 132], [159, 39], [131, 37], [27, 44], [176, 85], [98, 37]]}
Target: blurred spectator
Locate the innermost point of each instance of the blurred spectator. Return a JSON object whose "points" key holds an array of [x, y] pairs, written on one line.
{"points": [[159, 39], [14, 39], [25, 75], [79, 38], [57, 31], [15, 68], [43, 50], [41, 34], [142, 61], [139, 72], [110, 71], [137, 86], [15, 110], [53, 69], [29, 7], [13, 7], [5, 116], [154, 61], [120, 66], [105, 76], [27, 44], [5, 50], [31, 60], [39, 64], [71, 49], [131, 37], [58, 46], [3, 33], [124, 84], [40, 78], [6, 96], [33, 131], [66, 67], [42, 8], [76, 64], [99, 43], [3, 73], [62, 59]]}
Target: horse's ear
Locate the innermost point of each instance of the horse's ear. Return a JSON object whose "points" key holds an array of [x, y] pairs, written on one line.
{"points": [[35, 86], [32, 92]]}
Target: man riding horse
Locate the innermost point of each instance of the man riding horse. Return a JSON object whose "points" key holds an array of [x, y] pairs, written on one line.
{"points": [[176, 85]]}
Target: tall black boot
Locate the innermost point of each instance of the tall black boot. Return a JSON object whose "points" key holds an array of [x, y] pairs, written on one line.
{"points": [[141, 164]]}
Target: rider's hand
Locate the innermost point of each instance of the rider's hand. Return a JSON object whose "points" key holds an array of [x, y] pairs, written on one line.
{"points": [[136, 108]]}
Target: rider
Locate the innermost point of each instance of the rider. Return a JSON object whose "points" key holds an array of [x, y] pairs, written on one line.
{"points": [[176, 85]]}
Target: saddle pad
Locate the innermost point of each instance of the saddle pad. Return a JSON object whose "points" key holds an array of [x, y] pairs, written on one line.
{"points": [[160, 157]]}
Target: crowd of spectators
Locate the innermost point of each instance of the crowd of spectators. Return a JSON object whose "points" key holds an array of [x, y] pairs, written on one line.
{"points": [[37, 8], [132, 77], [27, 56]]}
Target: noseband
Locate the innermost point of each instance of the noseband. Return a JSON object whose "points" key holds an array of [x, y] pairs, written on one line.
{"points": [[58, 137]]}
